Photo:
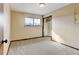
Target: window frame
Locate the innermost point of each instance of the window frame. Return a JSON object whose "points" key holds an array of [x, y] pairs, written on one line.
{"points": [[33, 22], [25, 24]]}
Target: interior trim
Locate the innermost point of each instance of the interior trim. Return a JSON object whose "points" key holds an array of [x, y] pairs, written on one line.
{"points": [[42, 26], [30, 38], [8, 48], [27, 38], [67, 45], [70, 46]]}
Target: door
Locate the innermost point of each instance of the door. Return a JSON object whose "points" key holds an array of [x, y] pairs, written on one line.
{"points": [[45, 28], [48, 26], [1, 28], [1, 37], [4, 28]]}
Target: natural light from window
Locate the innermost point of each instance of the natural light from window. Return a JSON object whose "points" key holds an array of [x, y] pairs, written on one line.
{"points": [[32, 22], [28, 21], [36, 21]]}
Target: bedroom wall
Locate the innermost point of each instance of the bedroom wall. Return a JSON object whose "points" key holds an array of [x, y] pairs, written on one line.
{"points": [[63, 28], [18, 31]]}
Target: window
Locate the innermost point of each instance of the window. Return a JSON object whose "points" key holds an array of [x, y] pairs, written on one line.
{"points": [[32, 22], [36, 22], [29, 21]]}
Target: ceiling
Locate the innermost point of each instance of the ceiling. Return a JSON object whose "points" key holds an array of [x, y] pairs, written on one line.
{"points": [[34, 7]]}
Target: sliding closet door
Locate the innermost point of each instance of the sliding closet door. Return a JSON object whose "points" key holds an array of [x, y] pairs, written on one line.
{"points": [[45, 28], [48, 26]]}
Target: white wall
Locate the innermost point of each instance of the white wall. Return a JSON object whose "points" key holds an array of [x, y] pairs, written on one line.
{"points": [[6, 27], [66, 31], [63, 28], [18, 31]]}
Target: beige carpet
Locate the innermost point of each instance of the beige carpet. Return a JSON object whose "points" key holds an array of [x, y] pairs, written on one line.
{"points": [[40, 46]]}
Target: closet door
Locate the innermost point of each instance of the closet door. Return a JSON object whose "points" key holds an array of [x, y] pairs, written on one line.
{"points": [[48, 26]]}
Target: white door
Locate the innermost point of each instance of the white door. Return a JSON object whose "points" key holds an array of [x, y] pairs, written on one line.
{"points": [[6, 28], [1, 28], [48, 28], [1, 35]]}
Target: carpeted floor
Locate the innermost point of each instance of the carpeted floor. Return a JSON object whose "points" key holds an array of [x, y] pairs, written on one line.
{"points": [[40, 46]]}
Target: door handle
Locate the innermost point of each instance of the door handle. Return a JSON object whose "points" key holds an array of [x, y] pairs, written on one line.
{"points": [[4, 41]]}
